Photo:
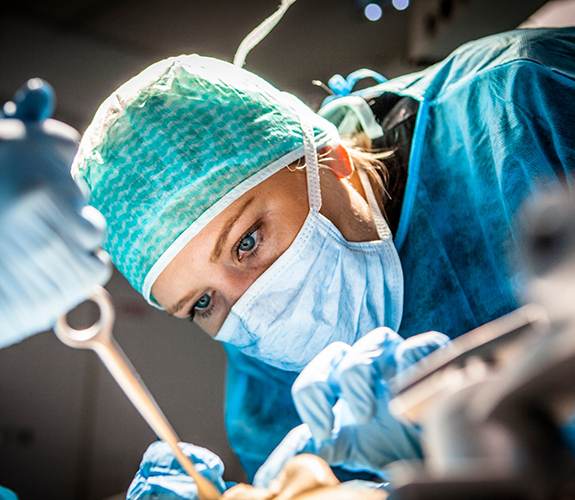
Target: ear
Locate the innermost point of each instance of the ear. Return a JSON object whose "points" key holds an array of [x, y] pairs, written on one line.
{"points": [[341, 165]]}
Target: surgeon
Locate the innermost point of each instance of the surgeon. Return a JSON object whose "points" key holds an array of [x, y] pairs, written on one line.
{"points": [[49, 237], [232, 204]]}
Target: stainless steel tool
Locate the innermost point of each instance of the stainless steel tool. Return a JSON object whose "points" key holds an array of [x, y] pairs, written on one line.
{"points": [[99, 338]]}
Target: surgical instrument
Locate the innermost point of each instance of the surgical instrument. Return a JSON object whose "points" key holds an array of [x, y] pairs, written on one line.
{"points": [[99, 338], [492, 343]]}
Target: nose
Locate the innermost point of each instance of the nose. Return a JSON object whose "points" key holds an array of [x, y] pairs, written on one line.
{"points": [[237, 283]]}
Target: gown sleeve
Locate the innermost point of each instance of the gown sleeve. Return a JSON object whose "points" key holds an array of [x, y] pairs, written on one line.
{"points": [[259, 409]]}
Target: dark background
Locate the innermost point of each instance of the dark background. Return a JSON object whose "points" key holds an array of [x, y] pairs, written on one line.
{"points": [[66, 429]]}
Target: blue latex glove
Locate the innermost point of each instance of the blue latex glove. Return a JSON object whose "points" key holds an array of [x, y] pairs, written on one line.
{"points": [[161, 476], [49, 238], [342, 397]]}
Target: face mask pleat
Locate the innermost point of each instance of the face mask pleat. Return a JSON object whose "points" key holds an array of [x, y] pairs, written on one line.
{"points": [[322, 289]]}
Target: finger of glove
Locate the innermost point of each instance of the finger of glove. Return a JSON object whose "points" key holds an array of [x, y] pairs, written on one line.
{"points": [[298, 440], [19, 315], [342, 451], [26, 310], [316, 390], [39, 268], [39, 209], [370, 359], [338, 449], [369, 447], [415, 348], [54, 267], [167, 487], [91, 226], [161, 472], [83, 226], [39, 225], [41, 272], [25, 296]]}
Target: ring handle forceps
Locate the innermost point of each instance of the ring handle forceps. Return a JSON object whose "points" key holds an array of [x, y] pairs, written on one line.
{"points": [[99, 338]]}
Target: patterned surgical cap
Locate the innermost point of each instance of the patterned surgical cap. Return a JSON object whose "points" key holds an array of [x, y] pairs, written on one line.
{"points": [[176, 145]]}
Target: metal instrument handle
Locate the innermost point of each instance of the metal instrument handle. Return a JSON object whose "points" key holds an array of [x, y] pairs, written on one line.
{"points": [[99, 338]]}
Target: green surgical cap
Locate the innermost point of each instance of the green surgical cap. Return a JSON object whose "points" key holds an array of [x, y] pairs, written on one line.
{"points": [[176, 145]]}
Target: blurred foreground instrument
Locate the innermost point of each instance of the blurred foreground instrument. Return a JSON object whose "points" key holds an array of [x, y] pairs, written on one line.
{"points": [[99, 338]]}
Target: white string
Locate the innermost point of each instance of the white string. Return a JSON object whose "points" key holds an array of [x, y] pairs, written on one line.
{"points": [[311, 164], [380, 222], [259, 33]]}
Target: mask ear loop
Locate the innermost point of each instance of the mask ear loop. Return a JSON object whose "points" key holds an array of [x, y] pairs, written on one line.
{"points": [[313, 184], [380, 223], [311, 165]]}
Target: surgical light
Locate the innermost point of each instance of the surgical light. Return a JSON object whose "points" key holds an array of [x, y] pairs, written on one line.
{"points": [[400, 4], [373, 12]]}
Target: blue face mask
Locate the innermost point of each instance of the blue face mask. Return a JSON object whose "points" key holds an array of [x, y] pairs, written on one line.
{"points": [[322, 289]]}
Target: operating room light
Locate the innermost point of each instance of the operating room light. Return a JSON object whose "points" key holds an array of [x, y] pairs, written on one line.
{"points": [[373, 12], [400, 4]]}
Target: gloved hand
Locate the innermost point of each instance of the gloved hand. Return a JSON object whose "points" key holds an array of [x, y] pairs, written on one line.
{"points": [[342, 397], [49, 238], [161, 476]]}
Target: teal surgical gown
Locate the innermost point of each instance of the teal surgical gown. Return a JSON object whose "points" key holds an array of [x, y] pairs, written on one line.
{"points": [[495, 124]]}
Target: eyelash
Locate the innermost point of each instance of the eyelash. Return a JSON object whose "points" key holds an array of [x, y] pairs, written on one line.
{"points": [[258, 243], [201, 313], [207, 312]]}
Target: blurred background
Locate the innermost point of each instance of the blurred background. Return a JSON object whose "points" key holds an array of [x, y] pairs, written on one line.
{"points": [[66, 430]]}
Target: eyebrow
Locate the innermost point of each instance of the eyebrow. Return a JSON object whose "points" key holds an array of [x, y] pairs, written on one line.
{"points": [[216, 252], [181, 303], [225, 232]]}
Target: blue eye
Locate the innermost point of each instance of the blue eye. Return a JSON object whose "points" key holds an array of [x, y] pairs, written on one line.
{"points": [[203, 301], [250, 244], [203, 307], [247, 243]]}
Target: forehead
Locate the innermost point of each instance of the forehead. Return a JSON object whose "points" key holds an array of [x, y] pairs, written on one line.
{"points": [[284, 191], [287, 185]]}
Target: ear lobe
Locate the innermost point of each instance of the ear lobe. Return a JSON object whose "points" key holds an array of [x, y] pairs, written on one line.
{"points": [[342, 165]]}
